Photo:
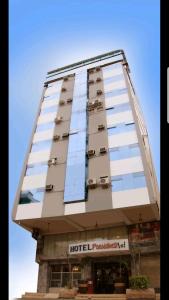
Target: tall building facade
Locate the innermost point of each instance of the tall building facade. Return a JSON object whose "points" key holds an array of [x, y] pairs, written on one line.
{"points": [[88, 191]]}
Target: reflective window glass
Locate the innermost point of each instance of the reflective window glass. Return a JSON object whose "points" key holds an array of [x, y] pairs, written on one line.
{"points": [[76, 159], [32, 196], [43, 145], [116, 92], [36, 169], [118, 108], [49, 109], [120, 128], [128, 181], [45, 126], [124, 152], [113, 78]]}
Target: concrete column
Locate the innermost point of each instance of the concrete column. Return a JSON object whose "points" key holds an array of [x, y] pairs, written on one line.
{"points": [[43, 278]]}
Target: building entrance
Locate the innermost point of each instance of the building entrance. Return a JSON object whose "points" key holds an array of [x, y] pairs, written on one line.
{"points": [[110, 277]]}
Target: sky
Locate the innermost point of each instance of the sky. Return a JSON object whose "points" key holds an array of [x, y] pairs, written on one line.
{"points": [[46, 34]]}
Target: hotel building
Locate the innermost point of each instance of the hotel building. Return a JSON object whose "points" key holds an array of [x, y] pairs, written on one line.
{"points": [[88, 191]]}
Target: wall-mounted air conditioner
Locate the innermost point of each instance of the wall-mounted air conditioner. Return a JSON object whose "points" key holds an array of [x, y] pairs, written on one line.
{"points": [[101, 127], [104, 182], [91, 82], [99, 92], [98, 69], [69, 100], [90, 153], [56, 137], [61, 102], [58, 119], [65, 135], [91, 183], [52, 161], [49, 187], [103, 150]]}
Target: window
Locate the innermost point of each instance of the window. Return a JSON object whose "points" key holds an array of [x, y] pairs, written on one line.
{"points": [[118, 108], [124, 152], [116, 92], [32, 196], [60, 275], [43, 145], [36, 169], [114, 78], [128, 181], [120, 128], [45, 126], [49, 109], [76, 159]]}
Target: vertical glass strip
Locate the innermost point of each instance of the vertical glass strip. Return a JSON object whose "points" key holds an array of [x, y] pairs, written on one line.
{"points": [[76, 159]]}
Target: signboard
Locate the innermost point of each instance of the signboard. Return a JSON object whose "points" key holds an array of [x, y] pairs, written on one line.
{"points": [[99, 246], [144, 234]]}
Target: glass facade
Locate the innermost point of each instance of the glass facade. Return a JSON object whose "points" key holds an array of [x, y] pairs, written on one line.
{"points": [[121, 128], [118, 108], [36, 169], [76, 158], [40, 146], [124, 152], [114, 78], [32, 196], [116, 92], [128, 181]]}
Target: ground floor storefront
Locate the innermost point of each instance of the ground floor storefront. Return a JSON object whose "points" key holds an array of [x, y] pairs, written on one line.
{"points": [[99, 261]]}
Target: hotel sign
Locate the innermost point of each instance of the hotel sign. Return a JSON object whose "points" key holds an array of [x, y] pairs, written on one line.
{"points": [[99, 246]]}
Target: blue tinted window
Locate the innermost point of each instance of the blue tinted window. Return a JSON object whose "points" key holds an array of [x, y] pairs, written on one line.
{"points": [[76, 160], [116, 92], [128, 181], [120, 128], [118, 108], [113, 78], [45, 126], [36, 169], [124, 152], [54, 96], [43, 145], [32, 196], [49, 109]]}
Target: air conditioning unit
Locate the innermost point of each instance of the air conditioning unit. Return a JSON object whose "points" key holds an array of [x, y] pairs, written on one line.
{"points": [[99, 92], [90, 108], [61, 102], [98, 69], [90, 153], [92, 183], [69, 100], [52, 161], [66, 79], [99, 104], [91, 82], [49, 187], [58, 119], [103, 150], [91, 71], [65, 135], [90, 105], [98, 79], [56, 137], [101, 127], [104, 182], [63, 89]]}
